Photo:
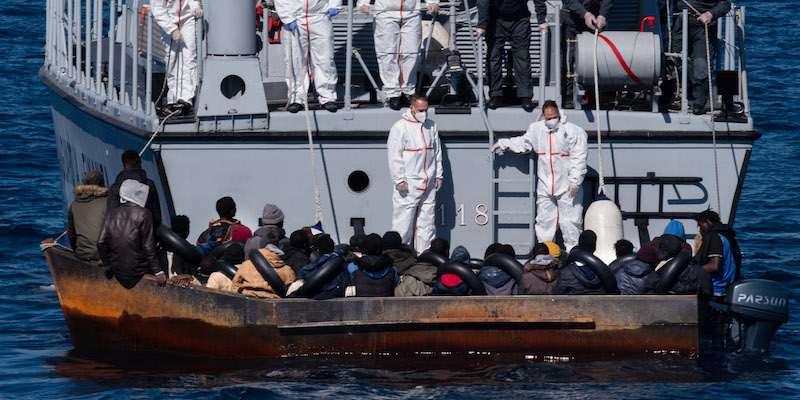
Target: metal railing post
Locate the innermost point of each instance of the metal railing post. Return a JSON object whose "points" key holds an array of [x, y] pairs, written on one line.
{"points": [[684, 61], [730, 51], [348, 62], [148, 76], [742, 63], [78, 42], [70, 39], [135, 58], [123, 53], [88, 44], [557, 44], [98, 17], [112, 16], [543, 65]]}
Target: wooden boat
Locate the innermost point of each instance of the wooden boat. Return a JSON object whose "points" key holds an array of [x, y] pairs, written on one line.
{"points": [[102, 315]]}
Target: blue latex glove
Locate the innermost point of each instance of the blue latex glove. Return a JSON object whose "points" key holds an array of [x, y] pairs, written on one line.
{"points": [[293, 27], [332, 12]]}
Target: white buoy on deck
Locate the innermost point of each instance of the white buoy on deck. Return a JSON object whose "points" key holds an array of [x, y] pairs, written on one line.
{"points": [[604, 219]]}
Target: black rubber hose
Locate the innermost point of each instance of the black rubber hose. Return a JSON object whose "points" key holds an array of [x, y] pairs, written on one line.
{"points": [[268, 273], [671, 271], [507, 263], [475, 263], [178, 245], [324, 274], [226, 268], [465, 273], [598, 267], [432, 257]]}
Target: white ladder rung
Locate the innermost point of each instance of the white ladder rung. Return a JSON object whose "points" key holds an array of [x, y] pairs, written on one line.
{"points": [[511, 180], [511, 212]]}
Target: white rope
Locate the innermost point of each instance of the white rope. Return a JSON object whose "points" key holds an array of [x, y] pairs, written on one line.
{"points": [[711, 105], [294, 37], [153, 136], [601, 187], [54, 243]]}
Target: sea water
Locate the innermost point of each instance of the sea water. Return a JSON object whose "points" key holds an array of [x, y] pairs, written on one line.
{"points": [[37, 360]]}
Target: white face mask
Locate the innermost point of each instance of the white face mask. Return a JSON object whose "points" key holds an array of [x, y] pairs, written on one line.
{"points": [[552, 124], [421, 116]]}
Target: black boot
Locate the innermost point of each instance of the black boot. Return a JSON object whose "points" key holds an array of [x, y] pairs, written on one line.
{"points": [[294, 107], [526, 104], [395, 103], [493, 102]]}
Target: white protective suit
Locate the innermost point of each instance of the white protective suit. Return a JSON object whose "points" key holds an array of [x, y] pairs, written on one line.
{"points": [[398, 35], [171, 15], [561, 161], [315, 43], [415, 157]]}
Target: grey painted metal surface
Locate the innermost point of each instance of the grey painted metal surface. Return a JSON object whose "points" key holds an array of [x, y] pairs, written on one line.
{"points": [[639, 51], [231, 27]]}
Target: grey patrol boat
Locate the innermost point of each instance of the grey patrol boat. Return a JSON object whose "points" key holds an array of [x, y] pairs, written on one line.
{"points": [[104, 67]]}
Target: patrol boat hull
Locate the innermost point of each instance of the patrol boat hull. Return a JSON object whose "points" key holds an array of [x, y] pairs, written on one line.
{"points": [[197, 321]]}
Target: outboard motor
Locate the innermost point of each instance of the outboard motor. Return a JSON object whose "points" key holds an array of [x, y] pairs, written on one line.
{"points": [[758, 307]]}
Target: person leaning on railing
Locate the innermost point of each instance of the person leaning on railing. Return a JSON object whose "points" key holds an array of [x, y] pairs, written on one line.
{"points": [[579, 16]]}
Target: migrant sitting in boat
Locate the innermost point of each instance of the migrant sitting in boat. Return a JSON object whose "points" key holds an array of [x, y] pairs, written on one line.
{"points": [[132, 169], [219, 230], [85, 216]]}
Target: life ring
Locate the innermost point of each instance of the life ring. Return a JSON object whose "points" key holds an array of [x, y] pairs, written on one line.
{"points": [[432, 257], [475, 263], [268, 272], [323, 274], [623, 260], [598, 267], [465, 273], [507, 263], [220, 250], [178, 245], [671, 271], [226, 268]]}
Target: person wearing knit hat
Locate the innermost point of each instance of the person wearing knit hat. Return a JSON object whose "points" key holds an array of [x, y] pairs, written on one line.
{"points": [[460, 254], [392, 240], [555, 251], [271, 215], [241, 234], [632, 275], [402, 259]]}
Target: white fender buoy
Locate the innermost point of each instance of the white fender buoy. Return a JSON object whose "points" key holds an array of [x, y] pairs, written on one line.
{"points": [[605, 220]]}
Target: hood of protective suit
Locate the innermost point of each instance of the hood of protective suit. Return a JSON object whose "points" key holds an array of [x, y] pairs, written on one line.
{"points": [[132, 191]]}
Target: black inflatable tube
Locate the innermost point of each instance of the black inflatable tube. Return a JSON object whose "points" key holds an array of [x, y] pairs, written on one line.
{"points": [[671, 271], [220, 250], [268, 273], [324, 274], [475, 263], [598, 267], [623, 260], [507, 264], [465, 273], [178, 245], [226, 268], [432, 257]]}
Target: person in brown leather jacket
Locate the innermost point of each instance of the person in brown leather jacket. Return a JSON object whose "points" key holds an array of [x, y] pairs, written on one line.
{"points": [[126, 242]]}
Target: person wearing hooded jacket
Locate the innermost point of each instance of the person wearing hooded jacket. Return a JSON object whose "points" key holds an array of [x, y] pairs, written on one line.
{"points": [[398, 35], [540, 274], [373, 273], [401, 255], [632, 275], [132, 169], [86, 215], [177, 21], [309, 23], [415, 165], [561, 149], [249, 281], [577, 278], [126, 241], [719, 253]]}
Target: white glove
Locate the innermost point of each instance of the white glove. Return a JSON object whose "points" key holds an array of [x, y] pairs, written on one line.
{"points": [[590, 20], [601, 22], [197, 12], [573, 190], [496, 149], [177, 36]]}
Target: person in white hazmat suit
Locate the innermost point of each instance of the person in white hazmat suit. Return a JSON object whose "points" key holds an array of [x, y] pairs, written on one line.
{"points": [[561, 149], [176, 18], [415, 165], [398, 35], [308, 43]]}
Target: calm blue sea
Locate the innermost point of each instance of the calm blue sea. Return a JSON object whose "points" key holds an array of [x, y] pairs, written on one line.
{"points": [[37, 361]]}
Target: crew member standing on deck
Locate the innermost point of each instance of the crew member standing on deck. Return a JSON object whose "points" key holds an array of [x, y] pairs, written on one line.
{"points": [[177, 21], [415, 165], [308, 43], [398, 34], [560, 147]]}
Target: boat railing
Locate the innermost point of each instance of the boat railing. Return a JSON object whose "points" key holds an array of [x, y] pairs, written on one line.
{"points": [[104, 53]]}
